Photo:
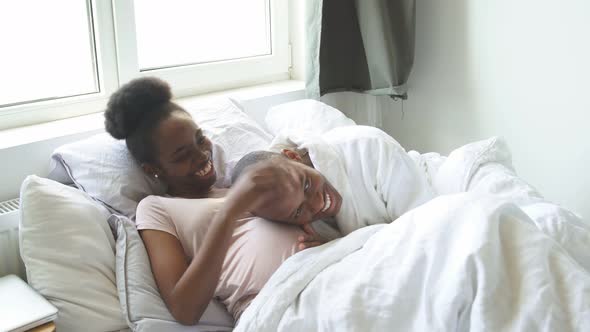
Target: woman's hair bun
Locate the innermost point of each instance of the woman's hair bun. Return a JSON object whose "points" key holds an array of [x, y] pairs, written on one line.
{"points": [[131, 102]]}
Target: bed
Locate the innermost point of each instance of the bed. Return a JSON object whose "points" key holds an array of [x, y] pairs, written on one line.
{"points": [[488, 253]]}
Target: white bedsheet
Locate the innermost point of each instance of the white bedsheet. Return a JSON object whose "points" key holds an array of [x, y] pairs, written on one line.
{"points": [[489, 254]]}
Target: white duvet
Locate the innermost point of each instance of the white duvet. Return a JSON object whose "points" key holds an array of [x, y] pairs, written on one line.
{"points": [[488, 254]]}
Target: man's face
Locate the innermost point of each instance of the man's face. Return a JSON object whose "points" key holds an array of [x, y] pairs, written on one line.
{"points": [[312, 198]]}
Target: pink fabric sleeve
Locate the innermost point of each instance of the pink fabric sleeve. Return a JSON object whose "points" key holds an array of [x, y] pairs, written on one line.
{"points": [[151, 214]]}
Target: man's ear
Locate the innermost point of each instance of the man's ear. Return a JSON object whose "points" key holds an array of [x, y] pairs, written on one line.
{"points": [[293, 155]]}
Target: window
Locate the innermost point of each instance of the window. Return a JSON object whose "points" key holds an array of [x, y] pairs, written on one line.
{"points": [[47, 52], [203, 45], [65, 58], [178, 33]]}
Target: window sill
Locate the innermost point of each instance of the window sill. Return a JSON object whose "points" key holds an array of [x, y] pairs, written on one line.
{"points": [[94, 123]]}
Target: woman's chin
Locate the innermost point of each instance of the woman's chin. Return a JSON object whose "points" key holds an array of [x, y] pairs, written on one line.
{"points": [[207, 181], [199, 184]]}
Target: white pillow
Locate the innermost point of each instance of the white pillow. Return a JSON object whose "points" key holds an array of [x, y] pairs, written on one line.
{"points": [[141, 302], [305, 115], [68, 251], [233, 132], [104, 168]]}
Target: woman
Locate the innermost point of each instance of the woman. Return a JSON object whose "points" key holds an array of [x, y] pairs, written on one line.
{"points": [[201, 241]]}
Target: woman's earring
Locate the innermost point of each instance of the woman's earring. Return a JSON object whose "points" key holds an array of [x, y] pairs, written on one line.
{"points": [[156, 176]]}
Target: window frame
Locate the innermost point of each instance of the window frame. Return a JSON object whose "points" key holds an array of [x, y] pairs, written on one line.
{"points": [[212, 76], [116, 62], [65, 107]]}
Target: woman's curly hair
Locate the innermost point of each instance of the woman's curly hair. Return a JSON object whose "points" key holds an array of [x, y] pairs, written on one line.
{"points": [[135, 110]]}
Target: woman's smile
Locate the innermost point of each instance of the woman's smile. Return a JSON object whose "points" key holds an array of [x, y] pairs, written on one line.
{"points": [[206, 171]]}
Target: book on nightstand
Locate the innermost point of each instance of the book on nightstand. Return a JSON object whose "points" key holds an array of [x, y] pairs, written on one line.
{"points": [[21, 307]]}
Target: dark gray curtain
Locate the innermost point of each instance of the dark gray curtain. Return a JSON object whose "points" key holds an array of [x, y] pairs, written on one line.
{"points": [[359, 45]]}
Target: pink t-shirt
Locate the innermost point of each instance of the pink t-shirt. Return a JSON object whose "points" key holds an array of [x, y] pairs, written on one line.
{"points": [[257, 249]]}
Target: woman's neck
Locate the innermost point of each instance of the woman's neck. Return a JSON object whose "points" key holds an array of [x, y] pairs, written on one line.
{"points": [[210, 193]]}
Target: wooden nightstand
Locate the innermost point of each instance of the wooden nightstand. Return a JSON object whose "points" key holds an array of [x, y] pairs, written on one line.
{"points": [[47, 327]]}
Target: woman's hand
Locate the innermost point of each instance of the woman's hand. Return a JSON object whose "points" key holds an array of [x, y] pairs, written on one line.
{"points": [[310, 239], [260, 185]]}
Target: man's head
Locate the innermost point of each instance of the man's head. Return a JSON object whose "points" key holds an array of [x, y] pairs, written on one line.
{"points": [[301, 198]]}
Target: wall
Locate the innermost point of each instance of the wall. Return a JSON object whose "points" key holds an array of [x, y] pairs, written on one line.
{"points": [[363, 109], [517, 69]]}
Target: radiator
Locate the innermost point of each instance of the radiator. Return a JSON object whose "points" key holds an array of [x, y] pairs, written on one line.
{"points": [[10, 261]]}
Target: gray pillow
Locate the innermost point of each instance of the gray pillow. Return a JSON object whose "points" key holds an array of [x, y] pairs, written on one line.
{"points": [[69, 254], [140, 299]]}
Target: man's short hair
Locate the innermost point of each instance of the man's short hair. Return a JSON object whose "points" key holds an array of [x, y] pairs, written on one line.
{"points": [[249, 160]]}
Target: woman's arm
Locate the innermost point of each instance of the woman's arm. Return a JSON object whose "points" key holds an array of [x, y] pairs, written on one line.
{"points": [[187, 287]]}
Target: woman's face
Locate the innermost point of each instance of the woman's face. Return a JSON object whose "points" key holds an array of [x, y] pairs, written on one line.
{"points": [[184, 156]]}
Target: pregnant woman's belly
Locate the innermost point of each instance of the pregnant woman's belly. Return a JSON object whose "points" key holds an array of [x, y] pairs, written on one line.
{"points": [[257, 250]]}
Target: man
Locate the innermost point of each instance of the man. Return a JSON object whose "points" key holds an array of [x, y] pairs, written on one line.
{"points": [[349, 177]]}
